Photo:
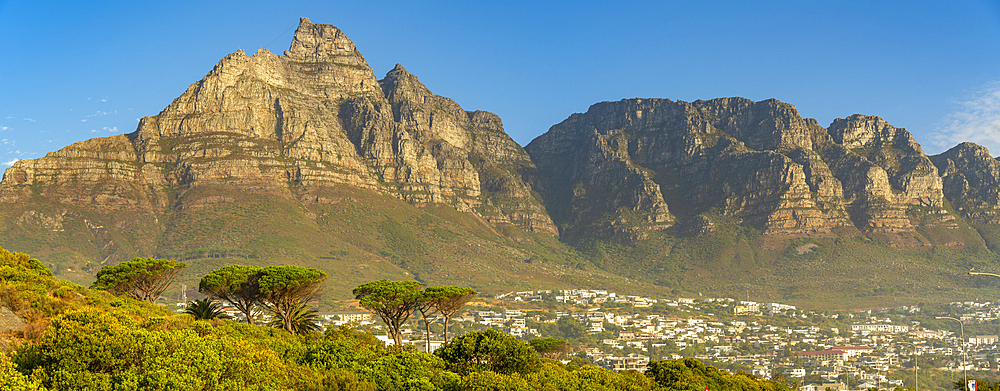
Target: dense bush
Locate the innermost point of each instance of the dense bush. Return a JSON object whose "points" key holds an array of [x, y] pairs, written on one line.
{"points": [[691, 374], [488, 350], [96, 350], [12, 380], [94, 341]]}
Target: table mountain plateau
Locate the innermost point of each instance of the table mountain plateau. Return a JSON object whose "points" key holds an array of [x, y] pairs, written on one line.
{"points": [[308, 158]]}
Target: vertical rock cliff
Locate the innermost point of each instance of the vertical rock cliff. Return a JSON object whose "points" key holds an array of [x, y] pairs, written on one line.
{"points": [[758, 162], [884, 172], [971, 180]]}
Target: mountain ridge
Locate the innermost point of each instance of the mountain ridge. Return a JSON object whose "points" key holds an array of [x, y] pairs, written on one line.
{"points": [[309, 158]]}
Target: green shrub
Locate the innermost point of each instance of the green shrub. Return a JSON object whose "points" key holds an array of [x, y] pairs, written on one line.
{"points": [[488, 350]]}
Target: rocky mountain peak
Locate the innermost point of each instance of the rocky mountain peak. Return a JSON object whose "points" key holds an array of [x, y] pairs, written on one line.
{"points": [[765, 125], [314, 118], [397, 69], [967, 151], [971, 181], [401, 86], [323, 42], [867, 131]]}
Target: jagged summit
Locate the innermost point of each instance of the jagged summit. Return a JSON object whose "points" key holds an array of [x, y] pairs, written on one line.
{"points": [[323, 42], [316, 116], [971, 179]]}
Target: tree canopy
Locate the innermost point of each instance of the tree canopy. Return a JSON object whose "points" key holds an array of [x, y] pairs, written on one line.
{"points": [[141, 278], [691, 374], [488, 350], [393, 301], [550, 347], [284, 290], [448, 300], [237, 285]]}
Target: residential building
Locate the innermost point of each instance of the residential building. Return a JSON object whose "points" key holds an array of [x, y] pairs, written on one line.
{"points": [[823, 355], [633, 361]]}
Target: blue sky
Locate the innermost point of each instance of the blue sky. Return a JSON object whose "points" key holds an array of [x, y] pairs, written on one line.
{"points": [[70, 71]]}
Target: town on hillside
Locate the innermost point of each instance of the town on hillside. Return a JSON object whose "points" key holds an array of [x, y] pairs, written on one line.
{"points": [[813, 350]]}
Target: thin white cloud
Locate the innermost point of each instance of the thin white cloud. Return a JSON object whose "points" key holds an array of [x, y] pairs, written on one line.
{"points": [[29, 119], [83, 120], [9, 163], [98, 112], [4, 128], [113, 129], [976, 120], [104, 99]]}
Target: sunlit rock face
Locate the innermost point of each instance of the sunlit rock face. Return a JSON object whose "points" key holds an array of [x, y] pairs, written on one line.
{"points": [[316, 116], [971, 182], [760, 163]]}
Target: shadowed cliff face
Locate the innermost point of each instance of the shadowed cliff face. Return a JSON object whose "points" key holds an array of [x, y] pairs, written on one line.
{"points": [[758, 162], [314, 117], [971, 182]]}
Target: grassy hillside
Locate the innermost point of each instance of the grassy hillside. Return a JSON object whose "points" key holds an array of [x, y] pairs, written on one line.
{"points": [[859, 272], [354, 235], [358, 236]]}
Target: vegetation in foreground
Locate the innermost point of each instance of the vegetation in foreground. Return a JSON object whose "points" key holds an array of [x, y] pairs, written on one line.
{"points": [[79, 338]]}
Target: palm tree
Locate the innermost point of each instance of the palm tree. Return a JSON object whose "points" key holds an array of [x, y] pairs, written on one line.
{"points": [[303, 320], [205, 309]]}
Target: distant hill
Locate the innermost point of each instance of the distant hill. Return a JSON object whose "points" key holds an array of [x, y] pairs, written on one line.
{"points": [[307, 158]]}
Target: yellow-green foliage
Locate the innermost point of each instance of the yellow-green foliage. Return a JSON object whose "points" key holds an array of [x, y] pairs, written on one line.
{"points": [[95, 341], [96, 350], [12, 380], [28, 289], [691, 374], [26, 282]]}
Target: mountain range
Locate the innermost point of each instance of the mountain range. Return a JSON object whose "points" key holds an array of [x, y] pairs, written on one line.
{"points": [[308, 158]]}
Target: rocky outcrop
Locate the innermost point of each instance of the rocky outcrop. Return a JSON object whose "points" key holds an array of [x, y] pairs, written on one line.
{"points": [[884, 172], [10, 322], [759, 162], [750, 160], [314, 117], [971, 182]]}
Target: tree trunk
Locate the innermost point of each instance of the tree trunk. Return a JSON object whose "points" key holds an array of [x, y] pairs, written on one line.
{"points": [[397, 336], [247, 312], [427, 336], [447, 319]]}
